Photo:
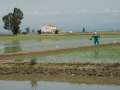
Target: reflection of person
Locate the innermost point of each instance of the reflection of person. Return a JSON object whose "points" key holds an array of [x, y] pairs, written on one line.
{"points": [[95, 37], [96, 52], [34, 84]]}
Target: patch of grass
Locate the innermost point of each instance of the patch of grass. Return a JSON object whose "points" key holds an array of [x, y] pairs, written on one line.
{"points": [[41, 37], [77, 35]]}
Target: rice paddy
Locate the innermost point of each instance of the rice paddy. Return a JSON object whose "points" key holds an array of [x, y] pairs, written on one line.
{"points": [[97, 54], [41, 43]]}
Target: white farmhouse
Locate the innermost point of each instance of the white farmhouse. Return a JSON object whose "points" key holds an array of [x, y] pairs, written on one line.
{"points": [[48, 28]]}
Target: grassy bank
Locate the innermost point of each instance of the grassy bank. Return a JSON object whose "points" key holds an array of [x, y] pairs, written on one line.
{"points": [[42, 37], [55, 37]]}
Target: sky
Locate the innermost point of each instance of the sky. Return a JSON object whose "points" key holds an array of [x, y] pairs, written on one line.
{"points": [[66, 14]]}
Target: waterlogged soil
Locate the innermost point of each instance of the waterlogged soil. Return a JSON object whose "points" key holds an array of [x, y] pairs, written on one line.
{"points": [[74, 69]]}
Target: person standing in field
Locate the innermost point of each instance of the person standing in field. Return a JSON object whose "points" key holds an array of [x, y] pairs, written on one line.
{"points": [[95, 37]]}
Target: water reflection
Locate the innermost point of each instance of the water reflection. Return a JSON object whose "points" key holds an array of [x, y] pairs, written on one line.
{"points": [[49, 85], [13, 46], [41, 45], [34, 84], [96, 52]]}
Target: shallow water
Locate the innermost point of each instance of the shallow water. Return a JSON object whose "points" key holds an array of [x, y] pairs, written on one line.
{"points": [[109, 54], [49, 85], [37, 45]]}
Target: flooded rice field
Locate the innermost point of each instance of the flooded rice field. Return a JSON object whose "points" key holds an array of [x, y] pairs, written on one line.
{"points": [[105, 54], [42, 45]]}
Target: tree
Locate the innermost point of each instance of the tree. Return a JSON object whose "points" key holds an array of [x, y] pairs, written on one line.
{"points": [[39, 31], [83, 29], [33, 30], [27, 30], [12, 21], [56, 31]]}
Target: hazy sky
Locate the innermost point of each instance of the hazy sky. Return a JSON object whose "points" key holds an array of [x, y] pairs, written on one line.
{"points": [[66, 14]]}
